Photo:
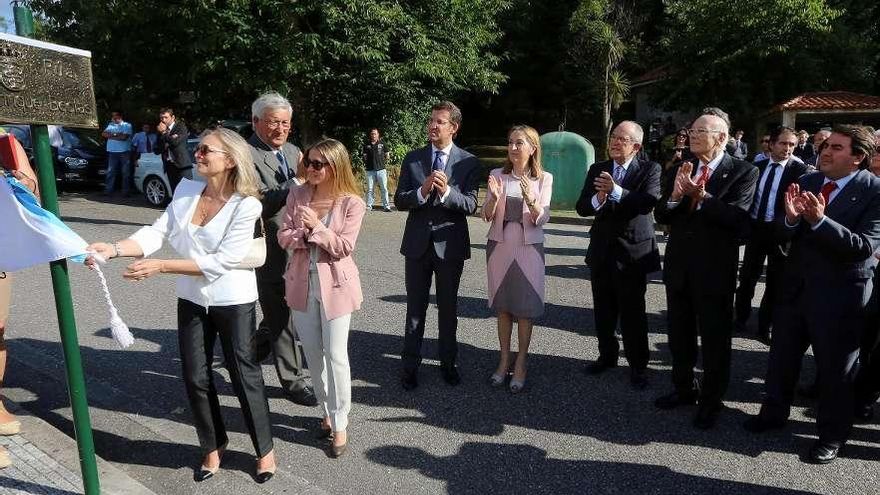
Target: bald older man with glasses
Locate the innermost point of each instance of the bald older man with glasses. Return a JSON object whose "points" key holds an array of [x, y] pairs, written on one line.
{"points": [[621, 194], [706, 205]]}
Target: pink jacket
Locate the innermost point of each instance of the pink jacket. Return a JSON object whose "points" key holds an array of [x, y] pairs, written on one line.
{"points": [[541, 190], [340, 281]]}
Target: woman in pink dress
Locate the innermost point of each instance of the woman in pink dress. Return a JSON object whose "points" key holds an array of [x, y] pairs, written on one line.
{"points": [[518, 205]]}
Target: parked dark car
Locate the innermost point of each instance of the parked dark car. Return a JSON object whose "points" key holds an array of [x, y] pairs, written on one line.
{"points": [[79, 155]]}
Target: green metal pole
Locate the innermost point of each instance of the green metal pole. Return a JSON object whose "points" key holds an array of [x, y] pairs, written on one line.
{"points": [[76, 384]]}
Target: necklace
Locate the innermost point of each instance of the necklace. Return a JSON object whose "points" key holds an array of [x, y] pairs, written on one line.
{"points": [[206, 211]]}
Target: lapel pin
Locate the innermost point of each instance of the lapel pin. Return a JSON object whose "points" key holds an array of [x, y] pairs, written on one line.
{"points": [[724, 176], [852, 198]]}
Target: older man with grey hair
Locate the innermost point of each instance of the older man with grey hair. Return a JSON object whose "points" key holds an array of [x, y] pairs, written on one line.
{"points": [[277, 161], [706, 205], [620, 194]]}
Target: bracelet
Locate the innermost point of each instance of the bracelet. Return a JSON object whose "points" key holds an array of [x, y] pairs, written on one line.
{"points": [[116, 249]]}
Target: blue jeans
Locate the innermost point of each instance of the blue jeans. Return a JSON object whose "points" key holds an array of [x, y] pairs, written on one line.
{"points": [[117, 162], [382, 176]]}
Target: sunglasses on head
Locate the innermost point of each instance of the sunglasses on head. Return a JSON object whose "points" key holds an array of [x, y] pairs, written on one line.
{"points": [[316, 165]]}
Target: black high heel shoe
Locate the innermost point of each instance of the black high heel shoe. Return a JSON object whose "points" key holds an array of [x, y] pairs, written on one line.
{"points": [[266, 475], [204, 472]]}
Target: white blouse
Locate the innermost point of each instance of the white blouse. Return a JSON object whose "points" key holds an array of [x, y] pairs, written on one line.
{"points": [[221, 283]]}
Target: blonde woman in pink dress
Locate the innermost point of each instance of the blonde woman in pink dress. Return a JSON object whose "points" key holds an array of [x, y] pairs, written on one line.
{"points": [[518, 205]]}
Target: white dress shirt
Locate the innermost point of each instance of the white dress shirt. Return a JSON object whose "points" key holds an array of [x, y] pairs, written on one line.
{"points": [[444, 158], [217, 247]]}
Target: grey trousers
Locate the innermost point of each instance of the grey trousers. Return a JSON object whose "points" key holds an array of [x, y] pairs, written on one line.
{"points": [[326, 345]]}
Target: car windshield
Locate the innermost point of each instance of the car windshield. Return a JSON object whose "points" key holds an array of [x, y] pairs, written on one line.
{"points": [[75, 139]]}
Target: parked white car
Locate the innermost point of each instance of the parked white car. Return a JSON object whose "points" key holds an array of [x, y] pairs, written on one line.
{"points": [[150, 178]]}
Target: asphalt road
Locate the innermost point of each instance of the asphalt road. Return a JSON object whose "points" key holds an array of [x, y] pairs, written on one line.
{"points": [[569, 433]]}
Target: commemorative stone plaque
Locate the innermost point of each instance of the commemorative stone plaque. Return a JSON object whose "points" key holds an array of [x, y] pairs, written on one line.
{"points": [[44, 83]]}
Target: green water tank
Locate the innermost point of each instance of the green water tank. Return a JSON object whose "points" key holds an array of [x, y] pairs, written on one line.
{"points": [[567, 156]]}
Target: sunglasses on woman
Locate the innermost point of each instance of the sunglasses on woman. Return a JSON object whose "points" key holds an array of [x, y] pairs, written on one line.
{"points": [[316, 165], [204, 149]]}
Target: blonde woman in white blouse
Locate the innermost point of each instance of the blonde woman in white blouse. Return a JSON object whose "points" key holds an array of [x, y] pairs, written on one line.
{"points": [[211, 226]]}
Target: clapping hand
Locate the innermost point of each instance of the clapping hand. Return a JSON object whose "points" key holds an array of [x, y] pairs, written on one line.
{"points": [[682, 180], [604, 184], [495, 188], [526, 189], [814, 207], [440, 180], [307, 216], [161, 127], [794, 204]]}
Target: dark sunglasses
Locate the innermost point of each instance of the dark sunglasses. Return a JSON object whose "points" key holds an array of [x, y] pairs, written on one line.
{"points": [[204, 149], [316, 165]]}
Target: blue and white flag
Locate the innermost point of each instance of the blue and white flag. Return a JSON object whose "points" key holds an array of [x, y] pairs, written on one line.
{"points": [[30, 235]]}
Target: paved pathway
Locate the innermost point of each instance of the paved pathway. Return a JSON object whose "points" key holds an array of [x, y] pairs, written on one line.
{"points": [[568, 434]]}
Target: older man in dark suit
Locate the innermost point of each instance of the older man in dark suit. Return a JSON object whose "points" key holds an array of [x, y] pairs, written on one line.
{"points": [[776, 173], [832, 219], [277, 161], [706, 205], [171, 145], [438, 187], [621, 193]]}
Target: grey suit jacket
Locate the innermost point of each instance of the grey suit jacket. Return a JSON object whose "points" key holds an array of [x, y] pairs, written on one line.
{"points": [[441, 225], [833, 265], [274, 187]]}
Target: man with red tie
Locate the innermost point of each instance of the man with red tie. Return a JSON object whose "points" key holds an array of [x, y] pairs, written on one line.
{"points": [[832, 219], [706, 205]]}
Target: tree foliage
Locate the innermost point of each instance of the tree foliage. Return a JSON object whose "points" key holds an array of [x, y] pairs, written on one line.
{"points": [[346, 65]]}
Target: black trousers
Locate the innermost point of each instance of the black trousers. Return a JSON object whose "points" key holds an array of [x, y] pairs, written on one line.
{"points": [[760, 246], [689, 314], [868, 378], [418, 275], [835, 337], [619, 293], [235, 326]]}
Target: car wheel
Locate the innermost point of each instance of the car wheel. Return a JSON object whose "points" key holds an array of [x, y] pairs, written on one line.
{"points": [[156, 191]]}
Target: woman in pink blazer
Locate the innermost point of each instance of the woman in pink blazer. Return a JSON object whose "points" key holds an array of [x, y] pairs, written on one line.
{"points": [[322, 286], [518, 205]]}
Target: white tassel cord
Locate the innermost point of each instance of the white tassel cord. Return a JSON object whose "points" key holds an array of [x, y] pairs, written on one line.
{"points": [[121, 334]]}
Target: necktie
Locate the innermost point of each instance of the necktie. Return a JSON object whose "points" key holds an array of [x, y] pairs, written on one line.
{"points": [[284, 168], [827, 189], [765, 193], [149, 143], [619, 172], [705, 177], [438, 161]]}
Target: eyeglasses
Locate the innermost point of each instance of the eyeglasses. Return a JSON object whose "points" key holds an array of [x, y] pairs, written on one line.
{"points": [[621, 139], [518, 144], [701, 131], [204, 149], [316, 165], [275, 124]]}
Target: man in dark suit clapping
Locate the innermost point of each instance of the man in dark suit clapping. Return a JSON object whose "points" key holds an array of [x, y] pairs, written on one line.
{"points": [[706, 206], [776, 174], [621, 193], [438, 187], [832, 219]]}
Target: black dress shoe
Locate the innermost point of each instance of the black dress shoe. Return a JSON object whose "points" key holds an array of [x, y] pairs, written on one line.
{"points": [[205, 473], [264, 476], [823, 452], [675, 399], [759, 424], [864, 413], [408, 380], [707, 415], [450, 375], [638, 379], [304, 396], [599, 366]]}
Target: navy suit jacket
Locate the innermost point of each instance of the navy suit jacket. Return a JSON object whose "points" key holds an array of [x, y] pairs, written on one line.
{"points": [[623, 233], [442, 226], [833, 265], [703, 245]]}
